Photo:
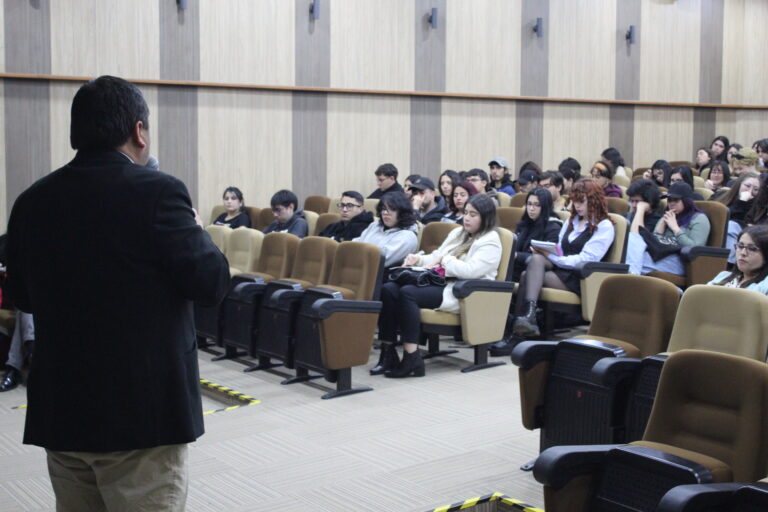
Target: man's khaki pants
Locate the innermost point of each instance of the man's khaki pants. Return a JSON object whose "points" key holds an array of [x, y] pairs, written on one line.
{"points": [[153, 479]]}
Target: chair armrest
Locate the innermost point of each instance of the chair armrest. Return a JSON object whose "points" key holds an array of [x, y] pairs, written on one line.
{"points": [[324, 308], [284, 297], [247, 290], [610, 371], [697, 497], [556, 466], [690, 253], [246, 277], [465, 287], [587, 268], [528, 354]]}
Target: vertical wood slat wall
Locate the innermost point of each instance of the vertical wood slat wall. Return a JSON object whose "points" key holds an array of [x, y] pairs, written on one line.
{"points": [[697, 51]]}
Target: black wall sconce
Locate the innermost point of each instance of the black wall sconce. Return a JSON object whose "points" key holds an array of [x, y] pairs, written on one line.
{"points": [[632, 34], [432, 18], [539, 27], [314, 10], [182, 4]]}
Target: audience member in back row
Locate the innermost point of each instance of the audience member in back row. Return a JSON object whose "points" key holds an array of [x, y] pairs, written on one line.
{"points": [[684, 174], [744, 160], [386, 178], [429, 206], [479, 178], [732, 150], [704, 160], [644, 192], [719, 175], [758, 213], [682, 225], [570, 168], [234, 215], [739, 200], [586, 236], [461, 194], [603, 174], [469, 252], [288, 217], [500, 180], [751, 271], [613, 158], [395, 232], [527, 181], [447, 181], [354, 218], [553, 181], [539, 222], [719, 147], [659, 173], [407, 182]]}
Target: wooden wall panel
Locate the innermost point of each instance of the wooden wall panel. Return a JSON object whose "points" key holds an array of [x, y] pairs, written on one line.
{"points": [[476, 131], [2, 49], [372, 44], [742, 126], [744, 52], [245, 141], [669, 61], [483, 47], [662, 133], [119, 38], [582, 62], [363, 133], [247, 41], [580, 131]]}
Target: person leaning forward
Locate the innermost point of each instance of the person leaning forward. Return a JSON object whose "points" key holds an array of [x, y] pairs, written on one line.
{"points": [[109, 256]]}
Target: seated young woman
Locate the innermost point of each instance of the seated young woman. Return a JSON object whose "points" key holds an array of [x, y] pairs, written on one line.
{"points": [[586, 236], [539, 222], [448, 180], [603, 173], [739, 200], [751, 270], [682, 223], [758, 213], [659, 173], [644, 191], [719, 176], [395, 233], [472, 251], [462, 191], [234, 215]]}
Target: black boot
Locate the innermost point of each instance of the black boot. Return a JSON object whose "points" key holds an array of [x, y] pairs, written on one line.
{"points": [[505, 346], [526, 325], [11, 379], [412, 364], [388, 359]]}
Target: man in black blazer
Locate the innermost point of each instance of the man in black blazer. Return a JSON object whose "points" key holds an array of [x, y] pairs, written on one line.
{"points": [[109, 256]]}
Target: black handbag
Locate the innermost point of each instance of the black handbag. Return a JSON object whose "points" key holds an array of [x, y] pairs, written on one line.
{"points": [[659, 246], [417, 277]]}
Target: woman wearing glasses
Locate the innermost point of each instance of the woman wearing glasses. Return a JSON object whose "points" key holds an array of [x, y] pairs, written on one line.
{"points": [[395, 232], [353, 218], [751, 271]]}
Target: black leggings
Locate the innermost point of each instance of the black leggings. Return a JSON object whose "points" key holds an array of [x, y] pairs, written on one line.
{"points": [[400, 309]]}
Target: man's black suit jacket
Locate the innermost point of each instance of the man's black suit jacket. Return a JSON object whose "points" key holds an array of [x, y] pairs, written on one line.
{"points": [[107, 256]]}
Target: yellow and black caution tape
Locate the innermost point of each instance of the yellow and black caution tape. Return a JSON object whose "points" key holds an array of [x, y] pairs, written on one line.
{"points": [[245, 400], [497, 496]]}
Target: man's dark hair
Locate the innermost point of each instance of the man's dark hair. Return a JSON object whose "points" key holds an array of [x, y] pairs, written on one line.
{"points": [[555, 178], [529, 166], [480, 174], [569, 163], [284, 198], [388, 170], [104, 112], [646, 189], [354, 194]]}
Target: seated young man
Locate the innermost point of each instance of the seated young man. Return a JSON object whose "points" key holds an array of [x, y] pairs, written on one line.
{"points": [[500, 179], [479, 179], [428, 205], [553, 181], [527, 181], [354, 218], [288, 217], [386, 178]]}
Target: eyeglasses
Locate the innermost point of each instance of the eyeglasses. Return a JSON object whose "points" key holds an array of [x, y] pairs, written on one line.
{"points": [[474, 179], [385, 209], [347, 206], [751, 248]]}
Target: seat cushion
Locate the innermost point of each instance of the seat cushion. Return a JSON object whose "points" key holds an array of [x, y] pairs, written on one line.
{"points": [[721, 472], [559, 296], [430, 316]]}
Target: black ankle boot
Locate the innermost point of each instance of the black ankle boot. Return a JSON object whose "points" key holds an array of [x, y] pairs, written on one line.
{"points": [[412, 364], [388, 359], [526, 325]]}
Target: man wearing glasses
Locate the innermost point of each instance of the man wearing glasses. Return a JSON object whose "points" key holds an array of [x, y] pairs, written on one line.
{"points": [[354, 218]]}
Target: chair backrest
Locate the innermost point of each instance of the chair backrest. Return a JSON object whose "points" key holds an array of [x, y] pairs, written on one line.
{"points": [[617, 205], [317, 204], [244, 249], [277, 254], [564, 215], [623, 192], [721, 319], [265, 219], [311, 218], [703, 192], [622, 181], [325, 220], [356, 268], [253, 214], [698, 182], [314, 258], [618, 250], [509, 217], [678, 163], [216, 211], [639, 172], [715, 405], [507, 238], [434, 234], [332, 208], [704, 174], [637, 309], [503, 198], [518, 199], [219, 235], [718, 215], [371, 204]]}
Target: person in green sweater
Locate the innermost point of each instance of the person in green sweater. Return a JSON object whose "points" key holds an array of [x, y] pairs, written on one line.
{"points": [[682, 225]]}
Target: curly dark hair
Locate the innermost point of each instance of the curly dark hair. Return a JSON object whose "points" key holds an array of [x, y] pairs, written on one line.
{"points": [[398, 202]]}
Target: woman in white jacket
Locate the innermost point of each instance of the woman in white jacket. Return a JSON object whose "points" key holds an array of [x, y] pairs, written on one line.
{"points": [[469, 252]]}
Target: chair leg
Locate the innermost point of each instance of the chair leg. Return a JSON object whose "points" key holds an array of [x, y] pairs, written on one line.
{"points": [[264, 363], [481, 359], [344, 385], [302, 375], [433, 347], [230, 352]]}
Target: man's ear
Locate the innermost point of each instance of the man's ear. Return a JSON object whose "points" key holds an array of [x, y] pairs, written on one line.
{"points": [[137, 135]]}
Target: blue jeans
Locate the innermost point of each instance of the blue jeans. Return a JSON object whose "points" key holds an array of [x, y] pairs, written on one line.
{"points": [[640, 262]]}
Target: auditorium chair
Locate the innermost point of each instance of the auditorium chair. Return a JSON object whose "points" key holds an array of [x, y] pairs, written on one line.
{"points": [[317, 204], [219, 235], [311, 218], [678, 163], [503, 198], [638, 173], [704, 174], [703, 262], [253, 214], [714, 318], [434, 234], [617, 205], [265, 219], [698, 182], [509, 217], [481, 320], [328, 328], [216, 211], [708, 425], [633, 317], [325, 220], [704, 192], [721, 497], [243, 250], [622, 181], [371, 205], [518, 200], [591, 274], [311, 265]]}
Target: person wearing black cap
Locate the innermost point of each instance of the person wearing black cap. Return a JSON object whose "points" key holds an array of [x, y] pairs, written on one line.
{"points": [[429, 206], [682, 225], [528, 181]]}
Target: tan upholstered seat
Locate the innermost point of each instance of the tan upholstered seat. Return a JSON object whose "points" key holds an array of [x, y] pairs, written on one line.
{"points": [[518, 200], [216, 211], [325, 220], [434, 234], [253, 214], [703, 192], [503, 198], [219, 236], [265, 219], [371, 204], [311, 218], [509, 217], [678, 163], [243, 250], [317, 204], [278, 251], [622, 181], [698, 182], [617, 205]]}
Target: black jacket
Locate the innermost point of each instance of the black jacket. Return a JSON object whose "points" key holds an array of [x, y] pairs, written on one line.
{"points": [[376, 194], [435, 214], [345, 231], [526, 232], [107, 256]]}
